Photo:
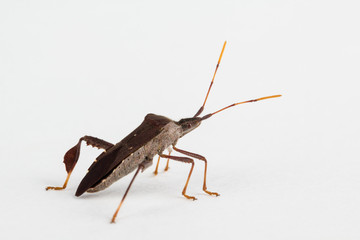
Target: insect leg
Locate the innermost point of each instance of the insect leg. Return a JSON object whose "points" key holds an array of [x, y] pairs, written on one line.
{"points": [[71, 157], [167, 164], [186, 160], [197, 156], [157, 166], [141, 167]]}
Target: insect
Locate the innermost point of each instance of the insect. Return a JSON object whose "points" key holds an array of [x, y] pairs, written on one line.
{"points": [[137, 150]]}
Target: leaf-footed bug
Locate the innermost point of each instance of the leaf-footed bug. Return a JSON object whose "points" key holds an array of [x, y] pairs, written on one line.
{"points": [[137, 150]]}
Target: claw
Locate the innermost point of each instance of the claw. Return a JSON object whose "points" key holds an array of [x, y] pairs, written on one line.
{"points": [[212, 193], [54, 188], [190, 197]]}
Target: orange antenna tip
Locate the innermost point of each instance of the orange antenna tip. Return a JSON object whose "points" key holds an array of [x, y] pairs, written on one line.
{"points": [[234, 104], [212, 81], [222, 51], [263, 98]]}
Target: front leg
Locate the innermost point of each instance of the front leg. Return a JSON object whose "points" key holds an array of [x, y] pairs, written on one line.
{"points": [[185, 160], [197, 156]]}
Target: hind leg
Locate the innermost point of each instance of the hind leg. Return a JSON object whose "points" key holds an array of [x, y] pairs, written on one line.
{"points": [[71, 157]]}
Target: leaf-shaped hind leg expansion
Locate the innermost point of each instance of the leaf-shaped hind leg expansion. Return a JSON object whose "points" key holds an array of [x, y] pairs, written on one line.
{"points": [[71, 157]]}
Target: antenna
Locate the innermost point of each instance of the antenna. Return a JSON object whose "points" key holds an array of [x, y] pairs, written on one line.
{"points": [[234, 104], [212, 81]]}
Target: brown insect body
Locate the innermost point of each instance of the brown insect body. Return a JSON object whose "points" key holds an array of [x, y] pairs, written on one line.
{"points": [[137, 150], [153, 136]]}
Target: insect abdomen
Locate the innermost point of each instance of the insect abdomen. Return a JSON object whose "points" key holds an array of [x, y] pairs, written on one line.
{"points": [[128, 165]]}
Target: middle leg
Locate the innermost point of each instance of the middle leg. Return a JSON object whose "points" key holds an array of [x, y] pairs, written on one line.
{"points": [[167, 163], [142, 166]]}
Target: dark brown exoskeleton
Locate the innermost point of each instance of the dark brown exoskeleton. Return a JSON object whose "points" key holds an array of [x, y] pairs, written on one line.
{"points": [[137, 150]]}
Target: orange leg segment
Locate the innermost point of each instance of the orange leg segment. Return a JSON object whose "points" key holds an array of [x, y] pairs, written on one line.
{"points": [[157, 165], [126, 192], [186, 160], [197, 156], [63, 187], [71, 156]]}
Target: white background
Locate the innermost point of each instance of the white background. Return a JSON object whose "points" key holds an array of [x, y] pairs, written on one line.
{"points": [[286, 168]]}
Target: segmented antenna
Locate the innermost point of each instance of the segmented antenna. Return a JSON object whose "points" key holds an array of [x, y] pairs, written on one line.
{"points": [[212, 81], [234, 104]]}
